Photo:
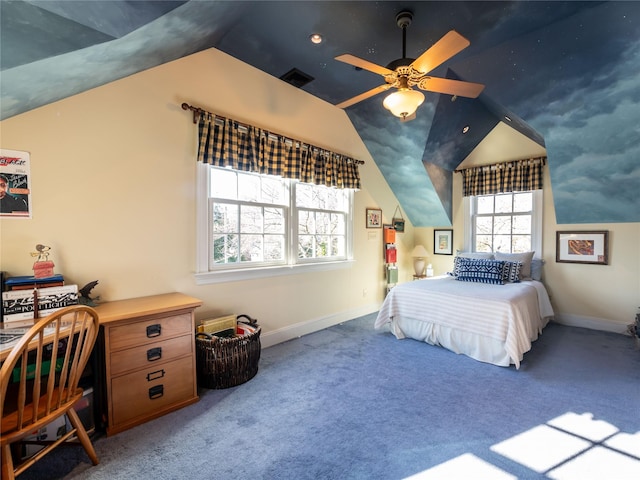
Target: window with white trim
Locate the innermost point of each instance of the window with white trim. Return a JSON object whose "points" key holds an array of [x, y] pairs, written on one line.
{"points": [[260, 222], [505, 222]]}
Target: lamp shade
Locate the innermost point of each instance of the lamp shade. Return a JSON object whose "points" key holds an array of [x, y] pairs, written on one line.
{"points": [[404, 102], [419, 252]]}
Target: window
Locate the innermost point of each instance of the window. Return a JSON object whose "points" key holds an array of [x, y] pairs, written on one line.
{"points": [[505, 222], [250, 222]]}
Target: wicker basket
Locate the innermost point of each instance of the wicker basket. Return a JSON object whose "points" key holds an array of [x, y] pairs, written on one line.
{"points": [[227, 362]]}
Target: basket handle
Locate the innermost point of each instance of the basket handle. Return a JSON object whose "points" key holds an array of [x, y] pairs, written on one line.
{"points": [[252, 321], [206, 335]]}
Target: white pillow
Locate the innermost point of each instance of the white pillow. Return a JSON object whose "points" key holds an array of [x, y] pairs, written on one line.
{"points": [[525, 258]]}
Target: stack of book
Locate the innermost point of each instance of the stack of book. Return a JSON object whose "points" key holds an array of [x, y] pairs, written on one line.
{"points": [[27, 297]]}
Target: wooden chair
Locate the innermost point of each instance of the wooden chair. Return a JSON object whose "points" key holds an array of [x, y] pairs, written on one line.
{"points": [[55, 350]]}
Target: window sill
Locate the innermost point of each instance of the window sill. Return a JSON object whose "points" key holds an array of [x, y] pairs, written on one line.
{"points": [[226, 276]]}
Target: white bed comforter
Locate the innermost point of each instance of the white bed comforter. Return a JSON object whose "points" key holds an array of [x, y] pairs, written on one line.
{"points": [[459, 315]]}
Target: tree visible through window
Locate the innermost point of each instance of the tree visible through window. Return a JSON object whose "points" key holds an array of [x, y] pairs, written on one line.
{"points": [[503, 222], [259, 220]]}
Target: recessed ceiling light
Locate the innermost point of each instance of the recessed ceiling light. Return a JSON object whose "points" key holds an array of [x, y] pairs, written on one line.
{"points": [[315, 38], [465, 129]]}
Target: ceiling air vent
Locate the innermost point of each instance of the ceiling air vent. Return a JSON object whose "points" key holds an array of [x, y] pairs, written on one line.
{"points": [[296, 78]]}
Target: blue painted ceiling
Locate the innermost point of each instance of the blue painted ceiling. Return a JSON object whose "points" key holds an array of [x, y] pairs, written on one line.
{"points": [[566, 73]]}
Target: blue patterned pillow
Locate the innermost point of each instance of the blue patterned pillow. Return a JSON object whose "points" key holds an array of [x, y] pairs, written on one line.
{"points": [[512, 271], [483, 271]]}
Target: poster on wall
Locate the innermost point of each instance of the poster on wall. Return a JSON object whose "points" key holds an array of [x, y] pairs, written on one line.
{"points": [[15, 184]]}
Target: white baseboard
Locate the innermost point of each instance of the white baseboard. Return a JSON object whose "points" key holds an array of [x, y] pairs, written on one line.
{"points": [[304, 328], [593, 323]]}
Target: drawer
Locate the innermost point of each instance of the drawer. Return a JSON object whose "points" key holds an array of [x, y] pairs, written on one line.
{"points": [[145, 356], [147, 391], [151, 330]]}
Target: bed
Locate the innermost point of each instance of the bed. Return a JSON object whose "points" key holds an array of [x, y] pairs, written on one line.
{"points": [[493, 323]]}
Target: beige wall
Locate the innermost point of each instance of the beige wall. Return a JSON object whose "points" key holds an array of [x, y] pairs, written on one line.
{"points": [[113, 180]]}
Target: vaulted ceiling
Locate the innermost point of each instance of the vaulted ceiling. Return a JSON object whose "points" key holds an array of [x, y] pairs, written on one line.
{"points": [[561, 78]]}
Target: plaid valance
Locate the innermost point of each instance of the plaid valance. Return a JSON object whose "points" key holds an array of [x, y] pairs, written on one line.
{"points": [[224, 142], [513, 176]]}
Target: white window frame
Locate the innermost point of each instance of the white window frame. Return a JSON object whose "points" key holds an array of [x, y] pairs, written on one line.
{"points": [[536, 223], [204, 275]]}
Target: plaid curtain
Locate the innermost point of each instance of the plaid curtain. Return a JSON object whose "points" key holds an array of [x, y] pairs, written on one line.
{"points": [[516, 176], [226, 143]]}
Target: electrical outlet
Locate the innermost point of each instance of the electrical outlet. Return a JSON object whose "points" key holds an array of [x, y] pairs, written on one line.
{"points": [[364, 292]]}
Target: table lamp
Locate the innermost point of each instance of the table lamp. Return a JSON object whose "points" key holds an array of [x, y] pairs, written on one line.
{"points": [[419, 255]]}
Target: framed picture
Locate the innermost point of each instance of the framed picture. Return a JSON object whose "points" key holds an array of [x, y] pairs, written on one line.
{"points": [[374, 218], [443, 242], [583, 247]]}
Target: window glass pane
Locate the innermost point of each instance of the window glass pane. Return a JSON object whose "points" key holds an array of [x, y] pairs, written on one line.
{"points": [[305, 246], [273, 247], [225, 218], [323, 223], [484, 243], [504, 203], [248, 187], [522, 224], [223, 183], [306, 222], [502, 224], [484, 225], [338, 223], [304, 195], [274, 220], [251, 248], [225, 248], [522, 202], [274, 191], [323, 247], [250, 219], [502, 243], [485, 204], [521, 243], [337, 246]]}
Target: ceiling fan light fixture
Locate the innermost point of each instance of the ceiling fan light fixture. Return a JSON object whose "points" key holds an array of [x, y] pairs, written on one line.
{"points": [[403, 102]]}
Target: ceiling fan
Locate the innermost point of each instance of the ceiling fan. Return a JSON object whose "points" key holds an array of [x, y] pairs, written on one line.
{"points": [[405, 73]]}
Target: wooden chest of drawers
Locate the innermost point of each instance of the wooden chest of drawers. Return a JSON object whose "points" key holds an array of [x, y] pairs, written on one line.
{"points": [[149, 354]]}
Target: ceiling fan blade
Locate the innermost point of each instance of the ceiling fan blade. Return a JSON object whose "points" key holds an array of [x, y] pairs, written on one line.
{"points": [[363, 96], [364, 64], [440, 52], [451, 87]]}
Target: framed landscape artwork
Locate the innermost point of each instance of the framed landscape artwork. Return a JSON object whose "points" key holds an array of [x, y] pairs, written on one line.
{"points": [[583, 247], [443, 242]]}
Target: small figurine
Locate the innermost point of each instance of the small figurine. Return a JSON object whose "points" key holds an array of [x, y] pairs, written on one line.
{"points": [[42, 267], [42, 252], [84, 292]]}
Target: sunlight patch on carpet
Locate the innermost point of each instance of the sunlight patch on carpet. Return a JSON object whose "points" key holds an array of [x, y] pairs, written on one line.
{"points": [[575, 447], [463, 467]]}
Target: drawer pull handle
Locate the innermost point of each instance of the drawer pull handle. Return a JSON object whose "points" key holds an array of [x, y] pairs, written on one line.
{"points": [[155, 375], [154, 330], [154, 354], [156, 392]]}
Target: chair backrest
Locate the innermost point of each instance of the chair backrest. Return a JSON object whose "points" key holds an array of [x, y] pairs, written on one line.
{"points": [[43, 369]]}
